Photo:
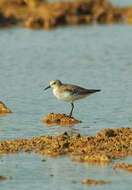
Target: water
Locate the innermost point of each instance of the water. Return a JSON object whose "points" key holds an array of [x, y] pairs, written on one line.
{"points": [[121, 2], [115, 2], [94, 57]]}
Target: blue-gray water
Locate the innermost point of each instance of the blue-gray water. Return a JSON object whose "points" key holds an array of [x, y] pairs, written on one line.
{"points": [[121, 2], [115, 2], [94, 57]]}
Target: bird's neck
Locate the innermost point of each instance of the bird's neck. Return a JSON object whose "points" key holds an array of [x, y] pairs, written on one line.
{"points": [[57, 86]]}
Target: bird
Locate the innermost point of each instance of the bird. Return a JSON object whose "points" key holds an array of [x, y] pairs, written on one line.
{"points": [[69, 92]]}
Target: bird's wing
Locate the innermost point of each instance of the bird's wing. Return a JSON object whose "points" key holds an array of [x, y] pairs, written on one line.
{"points": [[77, 90]]}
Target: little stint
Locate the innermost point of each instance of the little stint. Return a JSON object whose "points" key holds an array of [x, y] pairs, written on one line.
{"points": [[69, 92]]}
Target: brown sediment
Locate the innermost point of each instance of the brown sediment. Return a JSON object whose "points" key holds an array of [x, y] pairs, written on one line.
{"points": [[95, 182], [3, 109], [38, 14], [3, 178], [127, 14], [96, 158], [123, 166], [101, 148], [63, 120]]}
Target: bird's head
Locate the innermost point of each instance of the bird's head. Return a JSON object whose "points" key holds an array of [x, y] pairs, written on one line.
{"points": [[53, 84]]}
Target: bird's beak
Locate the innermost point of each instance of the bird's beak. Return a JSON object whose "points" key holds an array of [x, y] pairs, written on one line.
{"points": [[47, 87]]}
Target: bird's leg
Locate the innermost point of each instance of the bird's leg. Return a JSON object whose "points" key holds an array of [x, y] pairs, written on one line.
{"points": [[70, 115]]}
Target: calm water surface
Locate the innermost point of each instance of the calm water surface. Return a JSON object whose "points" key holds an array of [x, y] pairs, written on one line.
{"points": [[121, 2], [94, 57]]}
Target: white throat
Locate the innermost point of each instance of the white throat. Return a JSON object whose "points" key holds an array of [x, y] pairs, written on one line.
{"points": [[56, 92]]}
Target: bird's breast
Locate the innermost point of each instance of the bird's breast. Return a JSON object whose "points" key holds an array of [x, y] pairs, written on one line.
{"points": [[62, 95]]}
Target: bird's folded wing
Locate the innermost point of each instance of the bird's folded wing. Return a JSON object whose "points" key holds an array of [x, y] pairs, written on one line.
{"points": [[77, 90]]}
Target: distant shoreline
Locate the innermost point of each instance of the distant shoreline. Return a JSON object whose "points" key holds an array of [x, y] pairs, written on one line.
{"points": [[37, 14]]}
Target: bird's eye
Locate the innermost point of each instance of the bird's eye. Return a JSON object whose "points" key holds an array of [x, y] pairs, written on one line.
{"points": [[53, 83]]}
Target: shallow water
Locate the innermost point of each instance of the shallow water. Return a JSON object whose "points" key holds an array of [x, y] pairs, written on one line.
{"points": [[94, 57], [121, 2], [116, 2]]}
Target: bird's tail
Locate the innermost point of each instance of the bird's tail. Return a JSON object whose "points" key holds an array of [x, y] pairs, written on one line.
{"points": [[93, 91]]}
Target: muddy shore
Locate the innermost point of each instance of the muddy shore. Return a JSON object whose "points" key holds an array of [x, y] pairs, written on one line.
{"points": [[105, 146], [39, 14]]}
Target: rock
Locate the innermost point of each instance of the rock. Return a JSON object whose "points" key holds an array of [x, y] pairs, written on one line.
{"points": [[3, 178], [53, 119], [7, 21], [4, 109], [123, 166], [127, 14], [94, 158], [107, 133], [34, 23], [89, 149], [95, 182], [33, 3], [36, 14]]}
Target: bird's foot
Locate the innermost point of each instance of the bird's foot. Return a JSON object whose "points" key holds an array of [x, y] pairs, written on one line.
{"points": [[70, 115]]}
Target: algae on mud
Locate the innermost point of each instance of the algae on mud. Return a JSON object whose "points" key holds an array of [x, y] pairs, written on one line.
{"points": [[41, 14], [100, 148]]}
